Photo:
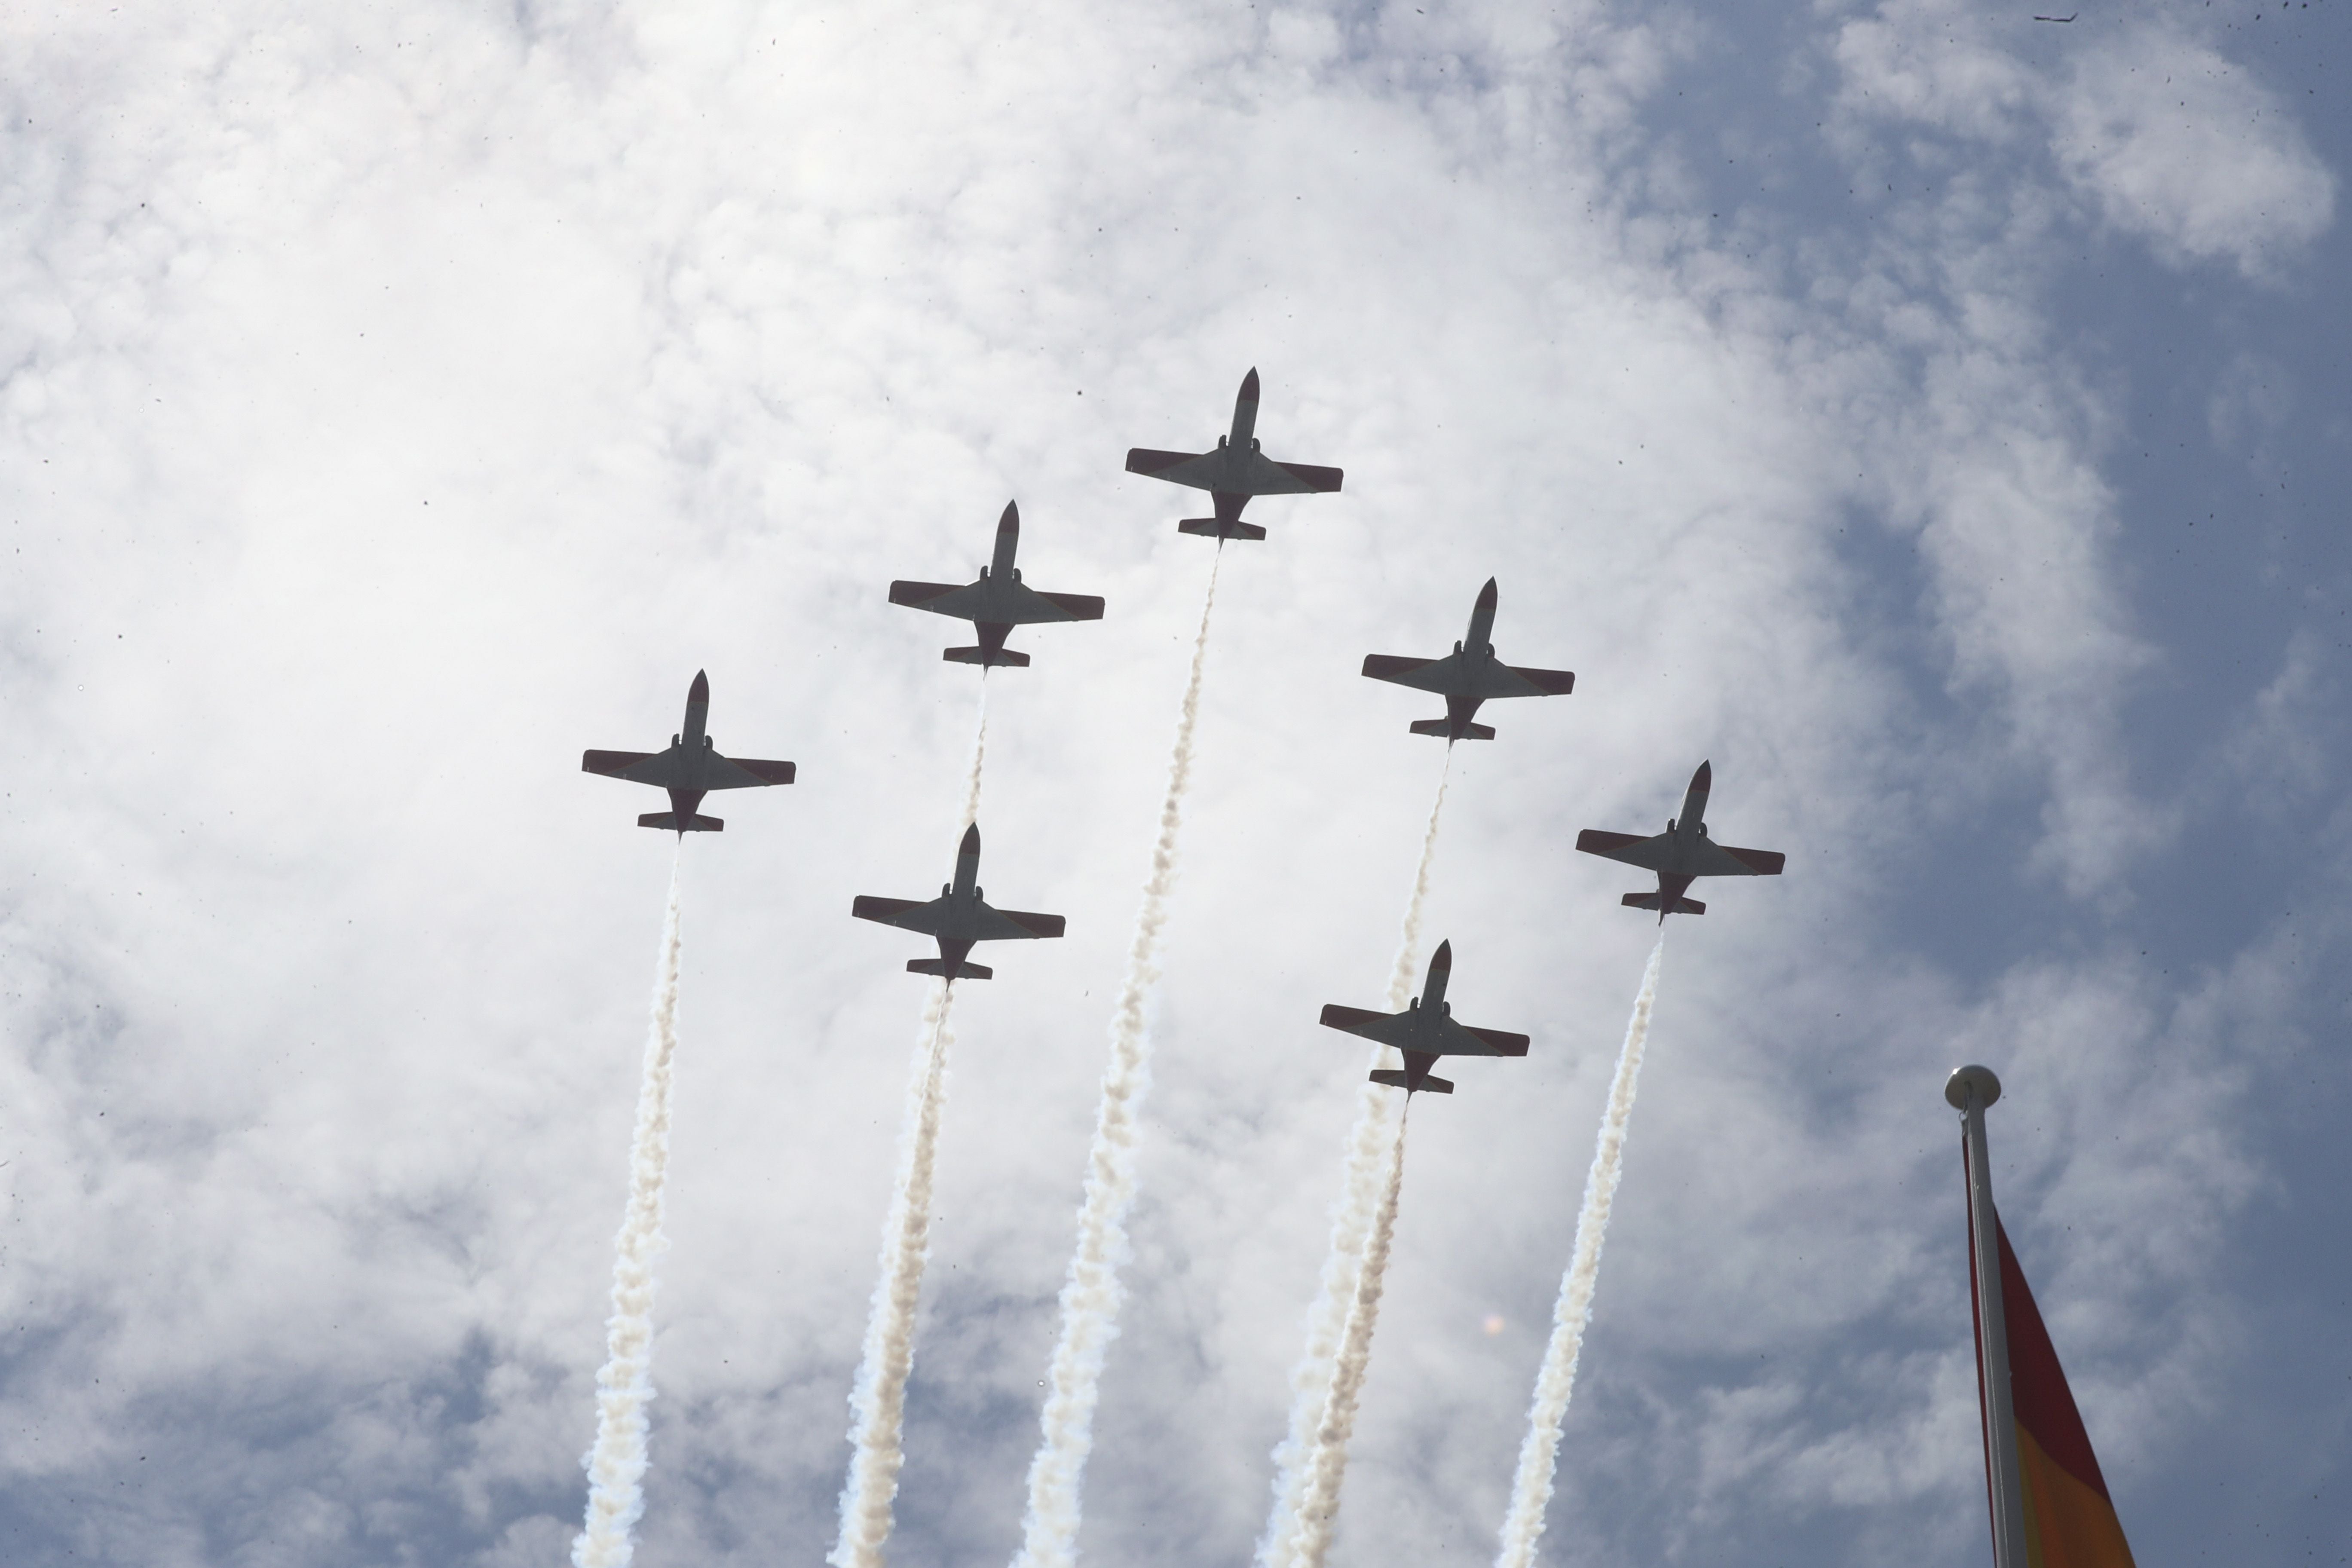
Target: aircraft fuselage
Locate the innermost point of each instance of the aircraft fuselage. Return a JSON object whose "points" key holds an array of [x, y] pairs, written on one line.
{"points": [[1475, 651], [995, 579], [1424, 1016], [1244, 431], [960, 921], [1685, 834], [690, 742]]}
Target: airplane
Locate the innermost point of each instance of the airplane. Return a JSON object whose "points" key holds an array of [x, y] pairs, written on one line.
{"points": [[957, 918], [1467, 677], [1424, 1032], [999, 602], [1235, 471], [688, 770], [1681, 854]]}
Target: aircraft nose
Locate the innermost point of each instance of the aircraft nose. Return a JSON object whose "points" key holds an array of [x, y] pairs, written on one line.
{"points": [[700, 691], [1705, 777], [971, 845], [1011, 521], [1487, 595], [1443, 959], [1249, 386]]}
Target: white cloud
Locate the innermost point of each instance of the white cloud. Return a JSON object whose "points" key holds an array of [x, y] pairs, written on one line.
{"points": [[2166, 137], [2186, 148], [460, 389]]}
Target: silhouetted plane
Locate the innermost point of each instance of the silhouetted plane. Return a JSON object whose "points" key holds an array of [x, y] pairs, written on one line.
{"points": [[1679, 855], [1468, 676], [1235, 471], [689, 769], [957, 918], [1424, 1032], [999, 602]]}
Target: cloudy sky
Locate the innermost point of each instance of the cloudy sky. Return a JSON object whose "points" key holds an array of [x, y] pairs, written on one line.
{"points": [[1935, 417]]}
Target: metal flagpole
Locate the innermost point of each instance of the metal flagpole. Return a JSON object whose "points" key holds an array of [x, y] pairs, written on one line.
{"points": [[1969, 1090]]}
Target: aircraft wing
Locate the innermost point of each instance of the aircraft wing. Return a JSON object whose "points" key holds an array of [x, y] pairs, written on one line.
{"points": [[1421, 674], [1650, 854], [1518, 680], [940, 598], [1452, 677], [1712, 860], [1255, 475], [1202, 470], [742, 773], [913, 914], [1261, 476], [1019, 605], [1002, 925], [638, 767], [1389, 1028], [1462, 1040]]}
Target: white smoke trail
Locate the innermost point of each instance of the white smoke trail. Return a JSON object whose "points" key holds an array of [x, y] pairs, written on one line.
{"points": [[1369, 1142], [878, 1402], [1091, 1294], [979, 755], [1408, 955], [616, 1464], [1531, 1486], [1318, 1508]]}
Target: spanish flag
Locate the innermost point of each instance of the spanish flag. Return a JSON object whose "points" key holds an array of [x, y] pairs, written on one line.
{"points": [[2069, 1520]]}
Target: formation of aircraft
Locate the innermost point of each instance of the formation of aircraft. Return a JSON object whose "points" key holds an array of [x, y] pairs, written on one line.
{"points": [[1236, 470], [957, 918], [1467, 677], [1233, 473], [1680, 855], [689, 769], [999, 602], [1424, 1031]]}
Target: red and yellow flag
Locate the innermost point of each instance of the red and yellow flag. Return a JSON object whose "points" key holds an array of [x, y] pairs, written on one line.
{"points": [[2069, 1520]]}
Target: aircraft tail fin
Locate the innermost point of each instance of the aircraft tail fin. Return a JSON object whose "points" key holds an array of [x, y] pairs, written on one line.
{"points": [[942, 967], [1003, 656], [1650, 902], [667, 821], [1441, 727], [1398, 1080], [1216, 528]]}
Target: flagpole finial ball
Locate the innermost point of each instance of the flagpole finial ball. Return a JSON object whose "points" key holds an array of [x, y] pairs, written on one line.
{"points": [[1981, 1079]]}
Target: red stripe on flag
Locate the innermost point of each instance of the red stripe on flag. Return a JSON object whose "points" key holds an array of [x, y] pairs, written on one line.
{"points": [[2045, 1404]]}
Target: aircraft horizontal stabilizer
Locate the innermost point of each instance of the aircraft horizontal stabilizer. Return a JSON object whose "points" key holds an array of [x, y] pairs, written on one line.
{"points": [[1441, 727], [667, 821], [1398, 1080], [1003, 656], [940, 966], [1650, 902], [1217, 529]]}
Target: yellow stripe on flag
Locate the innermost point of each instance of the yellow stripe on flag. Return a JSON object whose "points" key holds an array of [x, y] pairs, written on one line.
{"points": [[2067, 1525]]}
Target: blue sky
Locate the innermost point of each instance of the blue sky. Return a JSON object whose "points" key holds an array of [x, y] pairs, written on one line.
{"points": [[1935, 418]]}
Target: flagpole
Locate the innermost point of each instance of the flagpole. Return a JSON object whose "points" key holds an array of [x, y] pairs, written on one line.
{"points": [[1968, 1090]]}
